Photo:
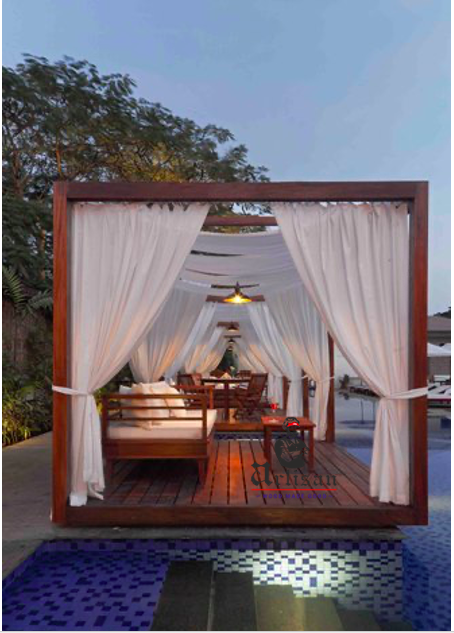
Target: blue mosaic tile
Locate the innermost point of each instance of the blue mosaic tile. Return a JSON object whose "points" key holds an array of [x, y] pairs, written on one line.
{"points": [[427, 555], [75, 589], [427, 549], [84, 590]]}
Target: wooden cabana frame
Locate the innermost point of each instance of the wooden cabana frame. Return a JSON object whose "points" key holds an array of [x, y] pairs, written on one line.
{"points": [[415, 193]]}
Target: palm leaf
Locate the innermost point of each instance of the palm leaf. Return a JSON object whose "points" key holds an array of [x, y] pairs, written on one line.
{"points": [[40, 301], [13, 288]]}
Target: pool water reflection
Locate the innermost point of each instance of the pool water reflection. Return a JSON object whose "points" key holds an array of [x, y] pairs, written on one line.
{"points": [[426, 550]]}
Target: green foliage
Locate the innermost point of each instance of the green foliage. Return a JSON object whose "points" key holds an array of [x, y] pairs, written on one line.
{"points": [[27, 240], [229, 360], [27, 390], [67, 121], [14, 290], [41, 301], [26, 404]]}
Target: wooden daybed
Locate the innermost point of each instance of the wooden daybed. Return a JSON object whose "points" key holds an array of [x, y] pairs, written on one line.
{"points": [[169, 436]]}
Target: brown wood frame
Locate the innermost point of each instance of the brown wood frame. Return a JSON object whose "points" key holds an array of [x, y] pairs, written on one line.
{"points": [[415, 193], [330, 421]]}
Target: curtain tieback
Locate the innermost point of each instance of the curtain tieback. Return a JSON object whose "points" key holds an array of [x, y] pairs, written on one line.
{"points": [[71, 392], [407, 395], [307, 377], [327, 379]]}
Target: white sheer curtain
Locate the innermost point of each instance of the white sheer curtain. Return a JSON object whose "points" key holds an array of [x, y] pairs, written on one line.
{"points": [[125, 260], [244, 362], [169, 333], [305, 335], [353, 260], [276, 348], [213, 355], [198, 332], [206, 351], [257, 355], [250, 362]]}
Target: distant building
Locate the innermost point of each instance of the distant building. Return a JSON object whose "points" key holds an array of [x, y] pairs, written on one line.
{"points": [[439, 330], [439, 333]]}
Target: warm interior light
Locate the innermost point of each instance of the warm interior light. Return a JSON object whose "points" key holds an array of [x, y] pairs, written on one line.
{"points": [[232, 328], [237, 296]]}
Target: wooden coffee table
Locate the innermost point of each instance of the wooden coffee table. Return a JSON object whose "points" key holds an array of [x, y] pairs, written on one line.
{"points": [[275, 422]]}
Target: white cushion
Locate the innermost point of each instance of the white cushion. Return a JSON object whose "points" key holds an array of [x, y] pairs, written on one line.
{"points": [[162, 388], [154, 385], [138, 414], [171, 429], [124, 389]]}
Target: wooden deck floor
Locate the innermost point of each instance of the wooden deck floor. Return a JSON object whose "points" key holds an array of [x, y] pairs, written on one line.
{"points": [[167, 492]]}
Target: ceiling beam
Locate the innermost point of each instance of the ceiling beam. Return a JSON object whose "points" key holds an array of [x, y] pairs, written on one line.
{"points": [[227, 323], [240, 220], [242, 191]]}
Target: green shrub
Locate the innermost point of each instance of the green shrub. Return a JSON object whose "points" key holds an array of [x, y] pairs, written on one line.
{"points": [[26, 403]]}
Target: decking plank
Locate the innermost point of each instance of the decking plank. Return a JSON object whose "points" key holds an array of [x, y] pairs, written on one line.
{"points": [[160, 487], [340, 496], [269, 497], [237, 493], [254, 496], [202, 493], [119, 478], [153, 493], [336, 459], [124, 484], [189, 484], [359, 468], [173, 484], [332, 498], [144, 478], [220, 491], [281, 476]]}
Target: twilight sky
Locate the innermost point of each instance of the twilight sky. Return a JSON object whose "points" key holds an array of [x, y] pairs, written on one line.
{"points": [[316, 89]]}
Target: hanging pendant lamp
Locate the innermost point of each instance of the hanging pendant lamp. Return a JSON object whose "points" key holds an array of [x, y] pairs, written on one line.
{"points": [[237, 296]]}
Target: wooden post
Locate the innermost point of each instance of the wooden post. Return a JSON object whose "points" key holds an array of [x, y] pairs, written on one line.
{"points": [[60, 355], [305, 388], [330, 429], [285, 392], [418, 351]]}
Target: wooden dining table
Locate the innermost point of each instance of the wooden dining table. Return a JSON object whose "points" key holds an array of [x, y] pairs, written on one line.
{"points": [[227, 393]]}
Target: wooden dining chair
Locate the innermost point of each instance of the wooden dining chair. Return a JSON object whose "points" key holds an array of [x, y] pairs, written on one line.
{"points": [[190, 379], [248, 400]]}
